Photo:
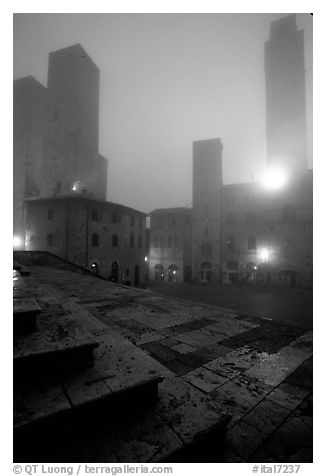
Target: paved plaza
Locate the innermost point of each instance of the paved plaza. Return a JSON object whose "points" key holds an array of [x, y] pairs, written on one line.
{"points": [[257, 370]]}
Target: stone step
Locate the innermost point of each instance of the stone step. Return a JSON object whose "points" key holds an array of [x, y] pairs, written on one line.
{"points": [[179, 425], [25, 310], [62, 346]]}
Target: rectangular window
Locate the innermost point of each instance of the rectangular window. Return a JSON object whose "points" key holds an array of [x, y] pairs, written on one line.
{"points": [[115, 240], [49, 240], [140, 242], [176, 242], [50, 214], [161, 242]]}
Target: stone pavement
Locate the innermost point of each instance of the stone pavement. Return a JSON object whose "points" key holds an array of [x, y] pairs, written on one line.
{"points": [[259, 370]]}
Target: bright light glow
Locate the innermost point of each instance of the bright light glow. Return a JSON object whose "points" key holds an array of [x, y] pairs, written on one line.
{"points": [[174, 271], [17, 242], [145, 258], [264, 254], [274, 179]]}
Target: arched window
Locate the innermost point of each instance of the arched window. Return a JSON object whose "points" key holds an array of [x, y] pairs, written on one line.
{"points": [[251, 243], [159, 272], [95, 239], [94, 215], [115, 218], [115, 240], [229, 243]]}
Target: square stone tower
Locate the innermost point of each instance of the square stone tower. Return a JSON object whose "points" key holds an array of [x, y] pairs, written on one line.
{"points": [[206, 218], [71, 142], [29, 126], [285, 95]]}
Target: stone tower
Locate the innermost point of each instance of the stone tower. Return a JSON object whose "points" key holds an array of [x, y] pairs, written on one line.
{"points": [[285, 95], [207, 185], [71, 142], [29, 125]]}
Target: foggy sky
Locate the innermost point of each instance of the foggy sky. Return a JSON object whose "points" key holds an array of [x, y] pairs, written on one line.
{"points": [[165, 81]]}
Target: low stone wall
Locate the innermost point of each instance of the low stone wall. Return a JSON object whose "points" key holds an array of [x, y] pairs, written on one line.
{"points": [[45, 258]]}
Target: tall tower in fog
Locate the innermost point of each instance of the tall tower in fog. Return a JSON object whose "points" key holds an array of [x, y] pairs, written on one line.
{"points": [[71, 141], [206, 212], [29, 126], [285, 95]]}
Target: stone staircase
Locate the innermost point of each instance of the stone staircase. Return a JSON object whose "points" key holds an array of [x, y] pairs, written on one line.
{"points": [[82, 392]]}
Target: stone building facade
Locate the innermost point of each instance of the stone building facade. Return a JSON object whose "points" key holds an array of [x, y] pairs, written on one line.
{"points": [[170, 245], [105, 237]]}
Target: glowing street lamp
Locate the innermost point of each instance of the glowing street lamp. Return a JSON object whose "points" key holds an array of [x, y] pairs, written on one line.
{"points": [[17, 242], [274, 179]]}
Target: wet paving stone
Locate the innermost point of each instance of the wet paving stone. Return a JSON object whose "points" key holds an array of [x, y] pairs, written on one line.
{"points": [[288, 396], [266, 416], [291, 442], [177, 367], [301, 377], [160, 352], [204, 379], [193, 360], [197, 339], [183, 348], [244, 439]]}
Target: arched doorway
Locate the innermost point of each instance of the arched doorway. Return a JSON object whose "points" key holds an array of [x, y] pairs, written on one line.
{"points": [[206, 272], [172, 273], [114, 276], [233, 270], [136, 275], [159, 272]]}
